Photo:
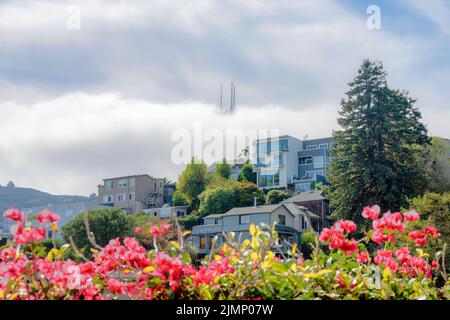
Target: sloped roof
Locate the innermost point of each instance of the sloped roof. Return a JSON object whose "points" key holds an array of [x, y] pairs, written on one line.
{"points": [[290, 207], [295, 209], [247, 210], [313, 195]]}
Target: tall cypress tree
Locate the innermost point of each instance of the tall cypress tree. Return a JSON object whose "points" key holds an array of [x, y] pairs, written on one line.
{"points": [[378, 152]]}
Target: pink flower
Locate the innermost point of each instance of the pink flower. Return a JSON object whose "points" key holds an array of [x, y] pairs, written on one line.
{"points": [[378, 237], [138, 230], [165, 228], [411, 216], [115, 286], [431, 232], [347, 225], [155, 231], [434, 264], [363, 257], [402, 254], [46, 215], [15, 215], [371, 212]]}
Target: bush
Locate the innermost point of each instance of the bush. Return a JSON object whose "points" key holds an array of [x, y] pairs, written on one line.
{"points": [[276, 196], [104, 224], [247, 270], [435, 210]]}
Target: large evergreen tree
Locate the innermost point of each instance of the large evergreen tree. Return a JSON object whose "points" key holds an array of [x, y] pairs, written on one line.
{"points": [[377, 154]]}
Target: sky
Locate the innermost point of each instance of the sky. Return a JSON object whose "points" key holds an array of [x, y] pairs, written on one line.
{"points": [[96, 89]]}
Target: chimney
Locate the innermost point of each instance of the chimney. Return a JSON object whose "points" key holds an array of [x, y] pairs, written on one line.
{"points": [[255, 202]]}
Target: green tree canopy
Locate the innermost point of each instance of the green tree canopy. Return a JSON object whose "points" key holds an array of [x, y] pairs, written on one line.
{"points": [[192, 182], [247, 174], [246, 192], [217, 200], [105, 224], [435, 210], [275, 196], [439, 166], [377, 153], [223, 169]]}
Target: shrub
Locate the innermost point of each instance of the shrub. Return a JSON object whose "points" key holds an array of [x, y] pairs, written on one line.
{"points": [[275, 196], [247, 270]]}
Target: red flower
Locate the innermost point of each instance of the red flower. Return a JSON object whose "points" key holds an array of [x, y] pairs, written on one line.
{"points": [[378, 237], [138, 230], [46, 215], [431, 232], [363, 257], [347, 225], [434, 264], [371, 212], [15, 215], [402, 254], [156, 231], [115, 286], [411, 216]]}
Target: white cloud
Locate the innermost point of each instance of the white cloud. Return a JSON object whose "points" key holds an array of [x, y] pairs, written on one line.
{"points": [[78, 106], [68, 144]]}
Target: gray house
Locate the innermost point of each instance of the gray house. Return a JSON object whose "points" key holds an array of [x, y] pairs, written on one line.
{"points": [[291, 220]]}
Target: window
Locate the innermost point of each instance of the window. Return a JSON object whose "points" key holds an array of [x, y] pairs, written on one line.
{"points": [[269, 179], [161, 185], [121, 197], [323, 145], [304, 161], [107, 198], [311, 147], [244, 219], [319, 162], [218, 221], [313, 173], [155, 185], [278, 160], [210, 241], [304, 226], [282, 220], [109, 184], [123, 183], [180, 213], [131, 196], [155, 213], [131, 182], [50, 234], [202, 242], [281, 145]]}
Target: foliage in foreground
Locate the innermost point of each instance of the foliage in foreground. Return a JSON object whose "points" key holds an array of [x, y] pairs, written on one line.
{"points": [[346, 269]]}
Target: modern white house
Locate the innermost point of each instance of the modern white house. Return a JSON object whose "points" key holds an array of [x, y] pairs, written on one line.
{"points": [[286, 162]]}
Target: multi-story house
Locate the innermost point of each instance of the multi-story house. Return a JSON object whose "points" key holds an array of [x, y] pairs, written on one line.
{"points": [[289, 163], [132, 193], [276, 161], [290, 221], [313, 161]]}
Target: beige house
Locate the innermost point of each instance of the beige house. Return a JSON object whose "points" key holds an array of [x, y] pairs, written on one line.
{"points": [[132, 193]]}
